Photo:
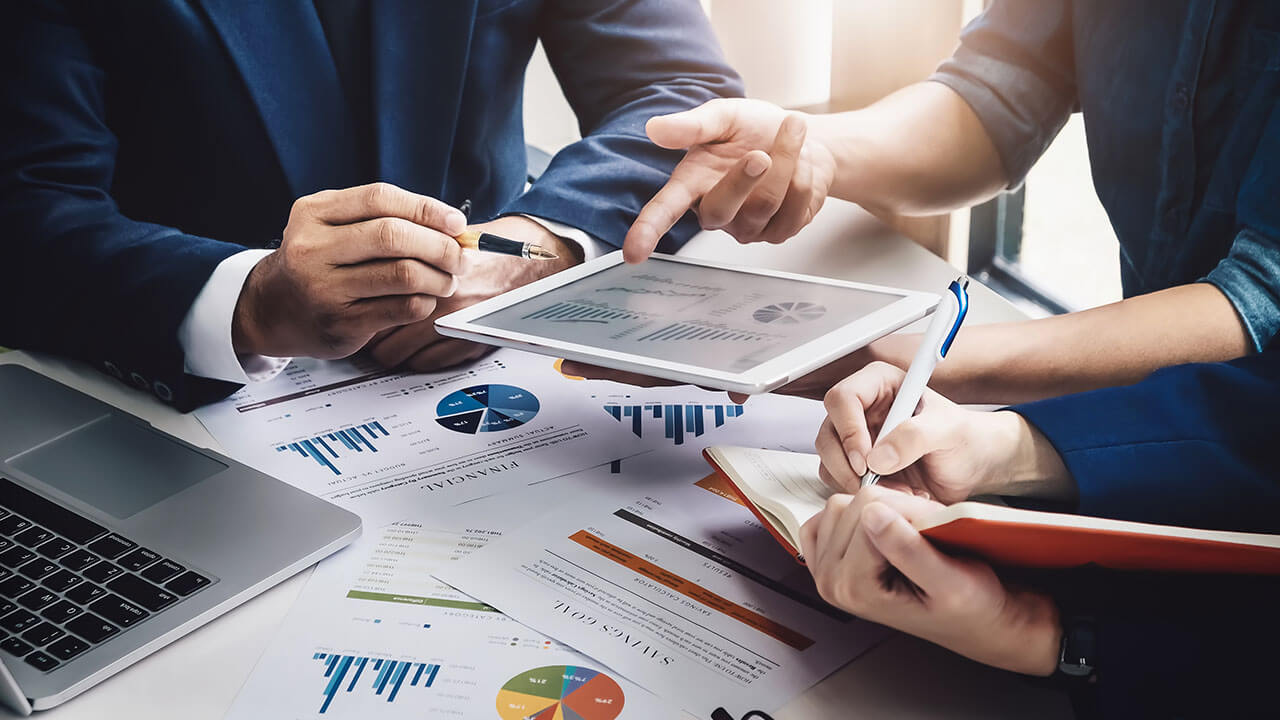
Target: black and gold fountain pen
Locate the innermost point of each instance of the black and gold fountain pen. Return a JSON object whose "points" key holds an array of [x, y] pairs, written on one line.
{"points": [[488, 242]]}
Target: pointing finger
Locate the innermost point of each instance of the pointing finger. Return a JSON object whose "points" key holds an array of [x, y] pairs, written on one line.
{"points": [[719, 206]]}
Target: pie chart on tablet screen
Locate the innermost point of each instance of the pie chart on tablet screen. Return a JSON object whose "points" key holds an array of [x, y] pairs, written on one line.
{"points": [[560, 692], [486, 408]]}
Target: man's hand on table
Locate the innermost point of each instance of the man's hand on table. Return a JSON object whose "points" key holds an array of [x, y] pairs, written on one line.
{"points": [[351, 263], [419, 347]]}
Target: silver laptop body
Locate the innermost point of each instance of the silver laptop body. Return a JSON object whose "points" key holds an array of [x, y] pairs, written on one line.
{"points": [[119, 539]]}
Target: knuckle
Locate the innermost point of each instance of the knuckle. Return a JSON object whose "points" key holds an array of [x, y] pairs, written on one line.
{"points": [[377, 196], [419, 307], [760, 207], [404, 274], [430, 212], [834, 399], [390, 235]]}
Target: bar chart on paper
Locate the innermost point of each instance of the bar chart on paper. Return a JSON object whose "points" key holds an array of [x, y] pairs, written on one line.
{"points": [[677, 420], [384, 679], [326, 448]]}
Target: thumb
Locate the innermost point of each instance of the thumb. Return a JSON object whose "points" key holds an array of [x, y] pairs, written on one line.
{"points": [[903, 547], [913, 439], [708, 123]]}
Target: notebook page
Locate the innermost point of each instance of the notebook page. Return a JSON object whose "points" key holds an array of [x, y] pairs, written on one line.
{"points": [[787, 479]]}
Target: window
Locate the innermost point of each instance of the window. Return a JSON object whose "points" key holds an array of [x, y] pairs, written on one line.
{"points": [[1049, 246]]}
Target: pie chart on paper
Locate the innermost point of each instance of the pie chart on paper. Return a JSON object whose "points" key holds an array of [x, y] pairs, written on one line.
{"points": [[486, 408], [560, 692]]}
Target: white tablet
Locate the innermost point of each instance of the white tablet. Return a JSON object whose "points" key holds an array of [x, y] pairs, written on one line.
{"points": [[692, 321]]}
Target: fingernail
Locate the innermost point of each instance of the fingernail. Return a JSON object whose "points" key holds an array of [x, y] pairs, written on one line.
{"points": [[796, 127], [455, 223], [883, 459], [756, 165], [858, 463], [876, 517]]}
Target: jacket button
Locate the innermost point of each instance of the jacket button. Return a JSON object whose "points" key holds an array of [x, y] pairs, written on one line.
{"points": [[112, 370], [1181, 98], [139, 381], [162, 391]]}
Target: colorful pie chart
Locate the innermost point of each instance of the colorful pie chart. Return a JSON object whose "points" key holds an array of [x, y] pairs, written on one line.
{"points": [[486, 408], [560, 692]]}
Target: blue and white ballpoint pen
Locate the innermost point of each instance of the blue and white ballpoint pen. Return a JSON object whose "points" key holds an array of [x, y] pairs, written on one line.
{"points": [[947, 319]]}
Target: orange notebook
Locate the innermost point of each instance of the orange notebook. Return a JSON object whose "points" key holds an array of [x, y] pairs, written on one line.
{"points": [[783, 490]]}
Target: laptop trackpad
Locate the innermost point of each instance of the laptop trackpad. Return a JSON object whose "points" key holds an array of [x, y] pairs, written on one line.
{"points": [[117, 466]]}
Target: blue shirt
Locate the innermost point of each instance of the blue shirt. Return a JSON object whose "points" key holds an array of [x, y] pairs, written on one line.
{"points": [[1181, 103]]}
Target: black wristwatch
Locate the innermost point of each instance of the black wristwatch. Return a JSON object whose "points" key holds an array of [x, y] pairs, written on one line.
{"points": [[1077, 659]]}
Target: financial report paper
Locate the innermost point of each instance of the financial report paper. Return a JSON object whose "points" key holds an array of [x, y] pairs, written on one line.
{"points": [[374, 636], [677, 587], [387, 444]]}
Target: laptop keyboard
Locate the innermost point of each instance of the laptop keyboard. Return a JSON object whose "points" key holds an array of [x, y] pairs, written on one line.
{"points": [[68, 584]]}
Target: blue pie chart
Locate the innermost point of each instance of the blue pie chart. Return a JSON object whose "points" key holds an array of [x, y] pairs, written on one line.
{"points": [[486, 408]]}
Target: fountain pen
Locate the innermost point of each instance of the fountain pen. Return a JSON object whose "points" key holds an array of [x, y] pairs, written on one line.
{"points": [[488, 242]]}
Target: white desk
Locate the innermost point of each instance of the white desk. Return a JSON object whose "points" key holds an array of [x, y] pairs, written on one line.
{"points": [[198, 677]]}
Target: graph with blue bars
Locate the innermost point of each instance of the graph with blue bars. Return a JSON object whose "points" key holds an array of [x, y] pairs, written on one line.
{"points": [[389, 676], [678, 420], [326, 448]]}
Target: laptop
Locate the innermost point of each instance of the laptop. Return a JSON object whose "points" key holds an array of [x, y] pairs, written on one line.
{"points": [[117, 539]]}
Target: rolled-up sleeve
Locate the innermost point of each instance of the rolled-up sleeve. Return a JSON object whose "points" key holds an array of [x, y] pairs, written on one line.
{"points": [[1015, 68], [1250, 274]]}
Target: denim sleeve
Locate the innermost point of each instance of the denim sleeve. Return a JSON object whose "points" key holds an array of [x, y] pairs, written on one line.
{"points": [[1015, 68], [1250, 278], [1250, 274]]}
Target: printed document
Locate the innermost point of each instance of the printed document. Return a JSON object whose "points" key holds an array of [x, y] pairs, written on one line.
{"points": [[679, 589], [373, 636], [389, 445]]}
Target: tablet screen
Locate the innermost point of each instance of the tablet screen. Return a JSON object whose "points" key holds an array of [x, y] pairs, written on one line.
{"points": [[709, 317]]}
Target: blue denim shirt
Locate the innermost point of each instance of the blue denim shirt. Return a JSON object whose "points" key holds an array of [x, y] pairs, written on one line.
{"points": [[1181, 103]]}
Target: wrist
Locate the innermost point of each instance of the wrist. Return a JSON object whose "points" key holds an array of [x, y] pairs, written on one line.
{"points": [[247, 336], [1034, 643], [1034, 467]]}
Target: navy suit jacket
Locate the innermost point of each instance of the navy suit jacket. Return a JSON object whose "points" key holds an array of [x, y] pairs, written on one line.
{"points": [[1198, 446], [143, 143]]}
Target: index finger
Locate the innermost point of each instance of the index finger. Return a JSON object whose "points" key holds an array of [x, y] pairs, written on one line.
{"points": [[848, 401], [658, 216], [378, 200]]}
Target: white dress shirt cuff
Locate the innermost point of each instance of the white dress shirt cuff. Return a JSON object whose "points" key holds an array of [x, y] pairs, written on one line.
{"points": [[592, 247], [205, 332]]}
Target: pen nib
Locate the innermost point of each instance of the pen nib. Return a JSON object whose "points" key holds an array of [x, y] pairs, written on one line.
{"points": [[537, 252]]}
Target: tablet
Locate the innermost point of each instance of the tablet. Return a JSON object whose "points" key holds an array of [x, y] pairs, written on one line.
{"points": [[691, 321]]}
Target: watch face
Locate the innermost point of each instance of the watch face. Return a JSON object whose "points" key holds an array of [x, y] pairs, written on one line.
{"points": [[1075, 668], [1078, 645]]}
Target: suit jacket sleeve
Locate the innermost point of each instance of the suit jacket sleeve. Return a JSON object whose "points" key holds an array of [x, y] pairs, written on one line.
{"points": [[79, 278], [621, 62], [1191, 445]]}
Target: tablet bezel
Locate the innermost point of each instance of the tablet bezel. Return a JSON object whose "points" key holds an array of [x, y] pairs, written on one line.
{"points": [[770, 375]]}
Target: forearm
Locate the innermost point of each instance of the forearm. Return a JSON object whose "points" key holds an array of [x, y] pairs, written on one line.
{"points": [[1116, 344], [921, 150]]}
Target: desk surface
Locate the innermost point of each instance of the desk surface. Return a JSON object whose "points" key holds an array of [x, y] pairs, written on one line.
{"points": [[902, 678]]}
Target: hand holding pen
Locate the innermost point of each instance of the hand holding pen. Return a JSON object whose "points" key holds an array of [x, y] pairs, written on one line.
{"points": [[488, 242], [937, 340], [872, 420]]}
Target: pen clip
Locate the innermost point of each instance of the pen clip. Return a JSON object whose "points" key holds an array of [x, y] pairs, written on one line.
{"points": [[959, 288]]}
